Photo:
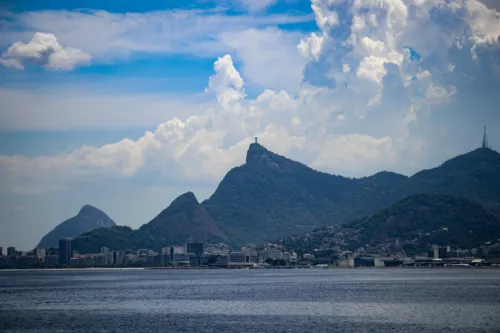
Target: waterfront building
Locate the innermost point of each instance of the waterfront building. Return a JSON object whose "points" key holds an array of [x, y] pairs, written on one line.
{"points": [[307, 256], [443, 252], [198, 261], [183, 258], [51, 259], [178, 249], [238, 257], [290, 256], [387, 262], [362, 262], [118, 257], [196, 248], [129, 258], [170, 253], [40, 255], [75, 262], [11, 251], [272, 254], [251, 254], [435, 252], [1, 251], [344, 263], [65, 251]]}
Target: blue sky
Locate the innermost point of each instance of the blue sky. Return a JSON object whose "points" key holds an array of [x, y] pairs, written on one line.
{"points": [[127, 104]]}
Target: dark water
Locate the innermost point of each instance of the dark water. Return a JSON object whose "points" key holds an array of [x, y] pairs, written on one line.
{"points": [[361, 300]]}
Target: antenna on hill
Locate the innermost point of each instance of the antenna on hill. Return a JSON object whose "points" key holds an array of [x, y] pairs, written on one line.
{"points": [[256, 138], [485, 139]]}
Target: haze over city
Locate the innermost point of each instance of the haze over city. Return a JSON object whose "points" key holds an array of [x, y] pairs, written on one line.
{"points": [[125, 106]]}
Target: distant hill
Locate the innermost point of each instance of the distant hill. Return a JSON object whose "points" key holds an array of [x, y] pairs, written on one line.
{"points": [[271, 196], [419, 220], [117, 237], [184, 220], [88, 218], [475, 175]]}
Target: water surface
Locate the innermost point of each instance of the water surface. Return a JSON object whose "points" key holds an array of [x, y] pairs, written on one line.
{"points": [[314, 300]]}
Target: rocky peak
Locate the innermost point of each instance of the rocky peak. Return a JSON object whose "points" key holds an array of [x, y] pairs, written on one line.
{"points": [[88, 210], [255, 153], [183, 202]]}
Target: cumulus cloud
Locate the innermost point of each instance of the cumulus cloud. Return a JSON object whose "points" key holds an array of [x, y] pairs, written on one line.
{"points": [[43, 50], [484, 24], [385, 77], [325, 17], [202, 148], [310, 47], [226, 83]]}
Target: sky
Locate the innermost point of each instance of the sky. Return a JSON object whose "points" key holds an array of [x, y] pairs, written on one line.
{"points": [[125, 105]]}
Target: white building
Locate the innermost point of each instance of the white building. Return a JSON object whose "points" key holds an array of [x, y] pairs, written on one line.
{"points": [[237, 257], [272, 254], [40, 254]]}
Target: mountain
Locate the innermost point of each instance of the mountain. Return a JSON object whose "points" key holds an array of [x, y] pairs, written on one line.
{"points": [[431, 219], [88, 218], [185, 219], [475, 175], [271, 196], [117, 237], [415, 223]]}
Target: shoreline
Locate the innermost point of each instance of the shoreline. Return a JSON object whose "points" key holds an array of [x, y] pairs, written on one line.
{"points": [[225, 268], [74, 269]]}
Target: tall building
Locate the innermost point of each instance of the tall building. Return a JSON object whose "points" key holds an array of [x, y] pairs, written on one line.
{"points": [[40, 255], [11, 251], [196, 248], [65, 252], [1, 251]]}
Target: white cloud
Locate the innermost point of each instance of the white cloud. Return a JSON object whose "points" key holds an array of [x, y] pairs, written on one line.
{"points": [[438, 95], [202, 148], [361, 123], [110, 36], [268, 57], [310, 47], [11, 63], [226, 83], [484, 24], [423, 75], [43, 50], [372, 67], [325, 17]]}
